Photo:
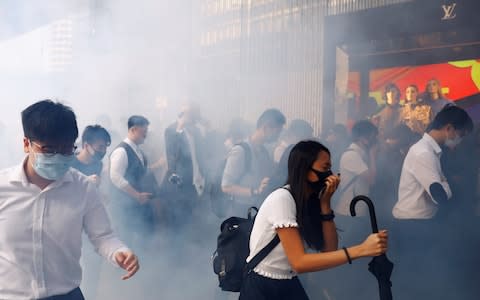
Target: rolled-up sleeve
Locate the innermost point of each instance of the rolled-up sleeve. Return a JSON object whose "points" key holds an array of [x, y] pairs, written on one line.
{"points": [[98, 228], [427, 170], [118, 166]]}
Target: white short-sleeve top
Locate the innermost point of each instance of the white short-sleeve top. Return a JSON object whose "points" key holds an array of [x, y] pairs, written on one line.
{"points": [[277, 211]]}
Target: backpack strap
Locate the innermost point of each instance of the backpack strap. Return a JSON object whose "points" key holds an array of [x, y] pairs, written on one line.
{"points": [[248, 157], [265, 251], [262, 254]]}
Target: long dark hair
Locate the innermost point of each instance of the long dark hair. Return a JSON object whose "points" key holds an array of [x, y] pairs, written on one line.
{"points": [[300, 161], [426, 96]]}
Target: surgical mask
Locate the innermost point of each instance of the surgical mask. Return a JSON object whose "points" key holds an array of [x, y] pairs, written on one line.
{"points": [[320, 184], [97, 155], [52, 167], [452, 143]]}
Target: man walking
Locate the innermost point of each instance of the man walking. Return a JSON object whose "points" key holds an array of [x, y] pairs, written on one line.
{"points": [[44, 208]]}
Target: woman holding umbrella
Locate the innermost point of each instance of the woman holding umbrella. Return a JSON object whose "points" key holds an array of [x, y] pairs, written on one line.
{"points": [[300, 214]]}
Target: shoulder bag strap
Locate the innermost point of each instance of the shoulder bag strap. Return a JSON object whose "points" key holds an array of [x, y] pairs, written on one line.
{"points": [[262, 254]]}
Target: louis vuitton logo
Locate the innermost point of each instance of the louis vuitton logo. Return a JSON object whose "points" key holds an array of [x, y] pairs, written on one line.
{"points": [[449, 11]]}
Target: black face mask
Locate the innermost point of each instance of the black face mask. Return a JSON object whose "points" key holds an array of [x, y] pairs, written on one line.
{"points": [[319, 185], [98, 156]]}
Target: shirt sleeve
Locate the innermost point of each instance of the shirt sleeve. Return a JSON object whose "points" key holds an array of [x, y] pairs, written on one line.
{"points": [[234, 166], [118, 166], [281, 209], [427, 171], [98, 228]]}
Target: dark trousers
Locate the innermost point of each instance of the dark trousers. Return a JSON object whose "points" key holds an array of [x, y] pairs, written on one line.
{"points": [[257, 287], [423, 260], [133, 222], [76, 294], [179, 204]]}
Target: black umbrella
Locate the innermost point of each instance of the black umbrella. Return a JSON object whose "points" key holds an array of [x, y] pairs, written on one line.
{"points": [[380, 266]]}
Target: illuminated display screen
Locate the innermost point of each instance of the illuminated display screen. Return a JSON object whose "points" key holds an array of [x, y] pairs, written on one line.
{"points": [[459, 81]]}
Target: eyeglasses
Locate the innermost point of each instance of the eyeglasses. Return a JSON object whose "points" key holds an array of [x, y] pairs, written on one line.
{"points": [[50, 150]]}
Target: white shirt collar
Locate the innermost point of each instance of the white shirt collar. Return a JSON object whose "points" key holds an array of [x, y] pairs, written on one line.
{"points": [[430, 141], [18, 175], [131, 144]]}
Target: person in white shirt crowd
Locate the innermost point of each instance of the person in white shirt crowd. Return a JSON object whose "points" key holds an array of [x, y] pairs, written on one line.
{"points": [[358, 167], [45, 206], [423, 198], [423, 187], [249, 168], [132, 187], [300, 214], [358, 171]]}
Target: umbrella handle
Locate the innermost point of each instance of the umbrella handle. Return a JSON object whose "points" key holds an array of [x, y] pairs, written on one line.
{"points": [[371, 209]]}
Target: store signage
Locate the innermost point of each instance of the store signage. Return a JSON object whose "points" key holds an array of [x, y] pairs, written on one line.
{"points": [[449, 12]]}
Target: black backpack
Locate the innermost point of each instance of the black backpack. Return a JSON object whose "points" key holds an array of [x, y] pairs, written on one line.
{"points": [[229, 260], [220, 201]]}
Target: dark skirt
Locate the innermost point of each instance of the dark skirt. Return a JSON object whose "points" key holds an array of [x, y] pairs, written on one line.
{"points": [[75, 294], [257, 287]]}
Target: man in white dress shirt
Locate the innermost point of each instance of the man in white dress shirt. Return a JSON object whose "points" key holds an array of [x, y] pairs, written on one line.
{"points": [[423, 187], [423, 203], [132, 187], [44, 208], [358, 168]]}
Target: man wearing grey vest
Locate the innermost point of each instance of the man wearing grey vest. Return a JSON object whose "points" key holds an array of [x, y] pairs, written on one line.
{"points": [[130, 193]]}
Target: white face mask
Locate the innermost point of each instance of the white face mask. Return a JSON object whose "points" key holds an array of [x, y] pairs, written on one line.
{"points": [[452, 143], [52, 167]]}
